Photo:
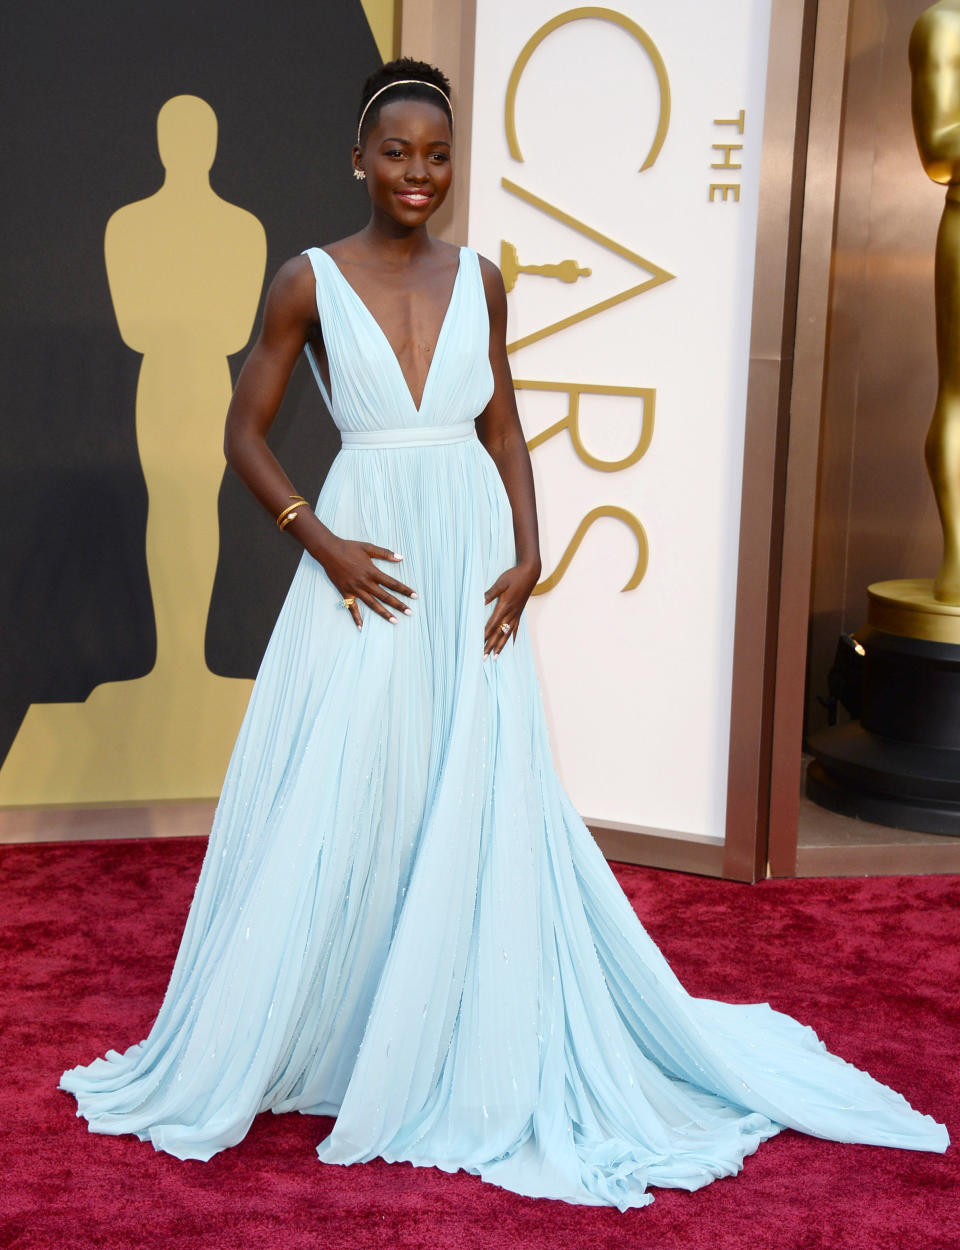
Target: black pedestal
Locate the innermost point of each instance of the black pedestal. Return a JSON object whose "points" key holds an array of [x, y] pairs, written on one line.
{"points": [[899, 765]]}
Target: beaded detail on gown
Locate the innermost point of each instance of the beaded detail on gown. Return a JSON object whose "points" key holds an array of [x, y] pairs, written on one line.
{"points": [[401, 920]]}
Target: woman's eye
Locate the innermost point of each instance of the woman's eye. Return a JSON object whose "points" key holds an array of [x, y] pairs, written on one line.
{"points": [[394, 152]]}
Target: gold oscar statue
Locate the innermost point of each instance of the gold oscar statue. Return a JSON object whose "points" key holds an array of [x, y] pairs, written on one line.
{"points": [[935, 70], [185, 270], [918, 607], [895, 762]]}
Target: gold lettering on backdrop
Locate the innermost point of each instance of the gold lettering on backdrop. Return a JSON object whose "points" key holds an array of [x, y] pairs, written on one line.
{"points": [[620, 514], [576, 15], [727, 190], [569, 271], [510, 267], [727, 163], [571, 422], [658, 275], [724, 188], [737, 121]]}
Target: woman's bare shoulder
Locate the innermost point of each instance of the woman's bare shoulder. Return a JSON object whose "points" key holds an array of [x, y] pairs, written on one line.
{"points": [[488, 267], [293, 288], [492, 282]]}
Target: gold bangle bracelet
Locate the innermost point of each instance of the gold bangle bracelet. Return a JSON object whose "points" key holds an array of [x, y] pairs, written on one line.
{"points": [[287, 520], [291, 507]]}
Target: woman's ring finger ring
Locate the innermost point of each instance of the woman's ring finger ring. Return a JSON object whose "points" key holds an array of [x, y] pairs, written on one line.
{"points": [[505, 626], [349, 601]]}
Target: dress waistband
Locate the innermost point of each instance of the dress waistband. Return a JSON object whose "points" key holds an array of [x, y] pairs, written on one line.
{"points": [[410, 436]]}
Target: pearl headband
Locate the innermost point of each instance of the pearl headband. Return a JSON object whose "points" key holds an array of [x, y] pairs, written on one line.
{"points": [[399, 83]]}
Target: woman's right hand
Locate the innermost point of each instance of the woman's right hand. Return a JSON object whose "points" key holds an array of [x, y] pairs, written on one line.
{"points": [[349, 565]]}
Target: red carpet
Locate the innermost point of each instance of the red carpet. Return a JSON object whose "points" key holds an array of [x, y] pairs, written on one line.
{"points": [[89, 931]]}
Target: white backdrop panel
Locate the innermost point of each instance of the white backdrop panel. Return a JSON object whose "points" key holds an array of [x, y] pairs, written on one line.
{"points": [[636, 683]]}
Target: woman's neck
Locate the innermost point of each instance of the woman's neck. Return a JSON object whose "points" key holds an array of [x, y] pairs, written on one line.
{"points": [[393, 241]]}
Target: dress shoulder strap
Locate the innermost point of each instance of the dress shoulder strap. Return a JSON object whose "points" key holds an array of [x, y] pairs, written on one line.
{"points": [[313, 256], [315, 265], [473, 263]]}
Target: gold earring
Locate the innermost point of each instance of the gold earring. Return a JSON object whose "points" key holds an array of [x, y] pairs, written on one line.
{"points": [[359, 173]]}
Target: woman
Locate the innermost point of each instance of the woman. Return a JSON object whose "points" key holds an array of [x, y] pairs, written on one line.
{"points": [[401, 920]]}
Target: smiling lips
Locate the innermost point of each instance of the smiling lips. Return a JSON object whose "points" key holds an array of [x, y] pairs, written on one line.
{"points": [[416, 199]]}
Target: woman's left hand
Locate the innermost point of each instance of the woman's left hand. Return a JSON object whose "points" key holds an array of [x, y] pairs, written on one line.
{"points": [[511, 590]]}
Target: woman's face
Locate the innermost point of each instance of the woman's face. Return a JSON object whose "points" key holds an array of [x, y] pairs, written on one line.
{"points": [[406, 157]]}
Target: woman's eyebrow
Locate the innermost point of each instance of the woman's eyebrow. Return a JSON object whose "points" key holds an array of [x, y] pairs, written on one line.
{"points": [[433, 144]]}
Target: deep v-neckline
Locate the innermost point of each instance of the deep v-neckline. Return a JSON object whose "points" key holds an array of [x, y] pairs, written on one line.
{"points": [[418, 408]]}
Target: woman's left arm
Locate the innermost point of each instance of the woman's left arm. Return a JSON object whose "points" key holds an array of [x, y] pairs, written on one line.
{"points": [[499, 429]]}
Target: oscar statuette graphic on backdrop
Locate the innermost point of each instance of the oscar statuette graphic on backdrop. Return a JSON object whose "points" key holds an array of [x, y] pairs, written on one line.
{"points": [[899, 764], [185, 271]]}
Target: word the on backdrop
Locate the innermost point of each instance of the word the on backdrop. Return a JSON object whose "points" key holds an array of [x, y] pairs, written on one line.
{"points": [[727, 188]]}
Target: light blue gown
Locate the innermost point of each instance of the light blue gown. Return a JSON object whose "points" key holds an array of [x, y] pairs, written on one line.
{"points": [[401, 920]]}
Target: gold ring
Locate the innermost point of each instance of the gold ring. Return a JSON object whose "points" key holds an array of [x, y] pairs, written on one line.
{"points": [[349, 601], [505, 626]]}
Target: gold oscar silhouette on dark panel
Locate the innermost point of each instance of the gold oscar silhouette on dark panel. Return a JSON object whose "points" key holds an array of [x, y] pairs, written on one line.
{"points": [[185, 270]]}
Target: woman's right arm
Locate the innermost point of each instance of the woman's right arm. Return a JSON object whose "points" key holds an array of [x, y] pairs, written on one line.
{"points": [[289, 318]]}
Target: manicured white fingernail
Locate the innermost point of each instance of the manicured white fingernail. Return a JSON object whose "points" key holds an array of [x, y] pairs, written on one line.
{"points": [[414, 595], [485, 654], [409, 611], [397, 555], [392, 620]]}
